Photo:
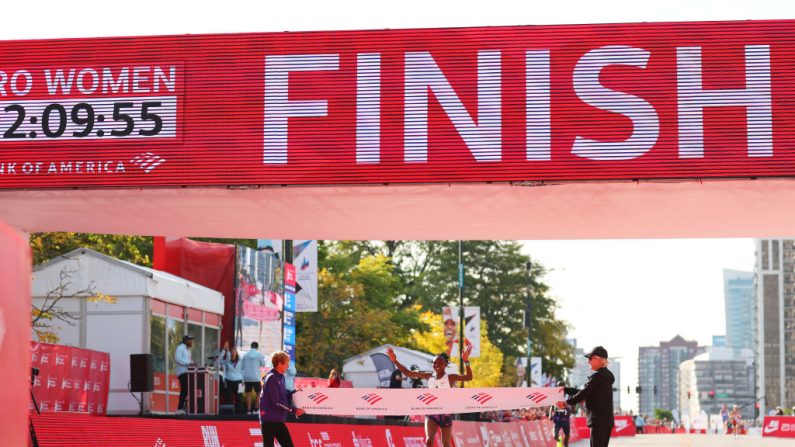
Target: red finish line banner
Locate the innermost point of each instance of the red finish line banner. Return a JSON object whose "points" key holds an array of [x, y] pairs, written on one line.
{"points": [[581, 102]]}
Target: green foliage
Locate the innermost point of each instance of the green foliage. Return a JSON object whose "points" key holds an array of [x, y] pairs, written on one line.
{"points": [[663, 415], [355, 313], [496, 280], [135, 249]]}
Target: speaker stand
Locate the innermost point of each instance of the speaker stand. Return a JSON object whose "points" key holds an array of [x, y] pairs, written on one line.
{"points": [[140, 401]]}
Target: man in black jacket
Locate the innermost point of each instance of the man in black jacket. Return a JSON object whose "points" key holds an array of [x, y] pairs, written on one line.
{"points": [[598, 397]]}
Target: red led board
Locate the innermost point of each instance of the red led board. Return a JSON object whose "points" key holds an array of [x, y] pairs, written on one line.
{"points": [[540, 103]]}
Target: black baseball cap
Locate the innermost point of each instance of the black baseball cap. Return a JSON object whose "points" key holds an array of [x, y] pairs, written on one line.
{"points": [[187, 337], [597, 351]]}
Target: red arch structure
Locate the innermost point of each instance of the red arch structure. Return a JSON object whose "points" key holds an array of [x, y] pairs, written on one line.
{"points": [[564, 132]]}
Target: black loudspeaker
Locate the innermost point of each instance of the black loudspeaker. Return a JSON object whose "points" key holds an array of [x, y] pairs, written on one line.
{"points": [[142, 373]]}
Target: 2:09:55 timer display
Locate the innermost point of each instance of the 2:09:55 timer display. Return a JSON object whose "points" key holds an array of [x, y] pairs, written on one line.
{"points": [[87, 120]]}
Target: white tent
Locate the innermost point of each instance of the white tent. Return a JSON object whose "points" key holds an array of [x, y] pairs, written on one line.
{"points": [[122, 328], [360, 369]]}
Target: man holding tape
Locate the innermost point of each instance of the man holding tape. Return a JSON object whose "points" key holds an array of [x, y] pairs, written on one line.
{"points": [[598, 397]]}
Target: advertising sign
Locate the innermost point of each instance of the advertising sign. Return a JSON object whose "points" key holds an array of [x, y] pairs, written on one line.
{"points": [[70, 380], [288, 322], [779, 426], [259, 300], [305, 260], [521, 103], [452, 331]]}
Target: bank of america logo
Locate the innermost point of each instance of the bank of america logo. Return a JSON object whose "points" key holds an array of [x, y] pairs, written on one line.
{"points": [[482, 398], [426, 398], [371, 398], [317, 397], [536, 397], [148, 161]]}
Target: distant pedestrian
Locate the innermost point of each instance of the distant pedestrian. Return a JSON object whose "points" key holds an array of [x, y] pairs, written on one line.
{"points": [[561, 419], [396, 382], [334, 379], [416, 383], [639, 423], [253, 362], [598, 396], [735, 417]]}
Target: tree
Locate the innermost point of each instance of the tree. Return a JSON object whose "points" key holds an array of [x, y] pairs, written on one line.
{"points": [[356, 312], [663, 415], [50, 310], [496, 280], [486, 369], [135, 249]]}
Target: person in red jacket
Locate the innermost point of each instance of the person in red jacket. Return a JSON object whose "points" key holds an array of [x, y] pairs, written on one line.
{"points": [[334, 379]]}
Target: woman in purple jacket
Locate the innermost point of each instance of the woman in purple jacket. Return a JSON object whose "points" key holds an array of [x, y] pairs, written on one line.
{"points": [[274, 403]]}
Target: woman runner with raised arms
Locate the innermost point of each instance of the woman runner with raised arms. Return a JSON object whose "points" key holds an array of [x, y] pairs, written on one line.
{"points": [[438, 379]]}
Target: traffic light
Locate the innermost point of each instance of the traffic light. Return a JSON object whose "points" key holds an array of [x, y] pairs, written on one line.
{"points": [[655, 390], [637, 389]]}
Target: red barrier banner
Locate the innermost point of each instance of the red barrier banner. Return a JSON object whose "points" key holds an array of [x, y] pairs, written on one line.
{"points": [[80, 430], [70, 379], [76, 430], [624, 426], [579, 102], [779, 426]]}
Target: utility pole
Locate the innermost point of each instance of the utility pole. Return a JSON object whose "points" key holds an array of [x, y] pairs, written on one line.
{"points": [[461, 320], [527, 318]]}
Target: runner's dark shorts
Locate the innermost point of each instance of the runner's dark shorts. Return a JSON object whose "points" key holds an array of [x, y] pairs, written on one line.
{"points": [[256, 386], [442, 420], [562, 425]]}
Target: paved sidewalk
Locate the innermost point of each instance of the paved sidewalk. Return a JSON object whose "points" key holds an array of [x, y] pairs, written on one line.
{"points": [[694, 441]]}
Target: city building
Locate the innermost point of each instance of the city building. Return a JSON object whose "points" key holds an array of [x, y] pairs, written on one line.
{"points": [[615, 368], [648, 379], [738, 292], [775, 325], [658, 373], [719, 341], [721, 376], [579, 374]]}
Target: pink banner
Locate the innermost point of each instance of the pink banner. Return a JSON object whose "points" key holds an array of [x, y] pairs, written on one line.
{"points": [[259, 312], [70, 379], [14, 335]]}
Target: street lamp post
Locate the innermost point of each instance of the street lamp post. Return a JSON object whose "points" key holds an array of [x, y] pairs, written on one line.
{"points": [[461, 320], [527, 315]]}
